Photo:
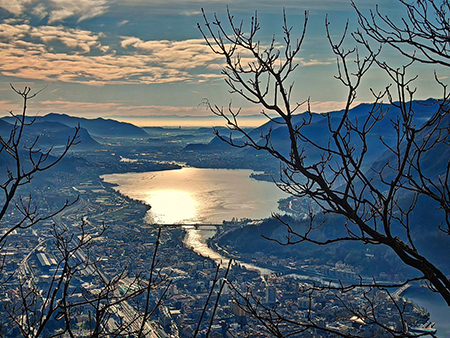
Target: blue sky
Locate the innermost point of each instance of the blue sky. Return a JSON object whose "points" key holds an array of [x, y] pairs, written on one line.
{"points": [[135, 59]]}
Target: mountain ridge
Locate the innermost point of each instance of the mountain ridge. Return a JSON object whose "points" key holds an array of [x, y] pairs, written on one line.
{"points": [[98, 127]]}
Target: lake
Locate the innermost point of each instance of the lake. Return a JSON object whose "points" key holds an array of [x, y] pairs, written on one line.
{"points": [[433, 302], [200, 196], [194, 195]]}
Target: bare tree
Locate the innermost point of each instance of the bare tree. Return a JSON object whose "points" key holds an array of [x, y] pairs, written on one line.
{"points": [[58, 304], [423, 35], [25, 160], [376, 204]]}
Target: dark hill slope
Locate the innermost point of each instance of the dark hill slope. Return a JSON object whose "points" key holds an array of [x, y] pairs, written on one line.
{"points": [[57, 134], [50, 134], [317, 129], [97, 127]]}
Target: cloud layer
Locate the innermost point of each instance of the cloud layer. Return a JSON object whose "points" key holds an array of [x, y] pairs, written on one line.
{"points": [[57, 10], [118, 46], [57, 53]]}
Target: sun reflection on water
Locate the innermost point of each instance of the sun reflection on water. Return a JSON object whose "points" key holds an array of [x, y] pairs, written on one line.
{"points": [[172, 206], [194, 195]]}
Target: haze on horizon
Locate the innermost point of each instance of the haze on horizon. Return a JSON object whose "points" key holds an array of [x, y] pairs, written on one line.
{"points": [[140, 61]]}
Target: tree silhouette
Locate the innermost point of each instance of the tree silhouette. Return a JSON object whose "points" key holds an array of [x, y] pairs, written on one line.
{"points": [[376, 205], [38, 307]]}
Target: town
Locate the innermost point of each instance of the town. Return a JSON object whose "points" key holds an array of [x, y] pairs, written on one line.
{"points": [[121, 243]]}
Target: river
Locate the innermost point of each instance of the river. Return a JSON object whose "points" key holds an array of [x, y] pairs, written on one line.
{"points": [[200, 196], [209, 196], [439, 310]]}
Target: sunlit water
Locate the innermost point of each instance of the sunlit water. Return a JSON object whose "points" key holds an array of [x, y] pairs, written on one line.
{"points": [[200, 196], [193, 195], [195, 239]]}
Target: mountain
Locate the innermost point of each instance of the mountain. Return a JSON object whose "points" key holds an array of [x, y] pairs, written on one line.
{"points": [[434, 161], [424, 220], [56, 134], [98, 127], [43, 136], [5, 127], [317, 129], [50, 134]]}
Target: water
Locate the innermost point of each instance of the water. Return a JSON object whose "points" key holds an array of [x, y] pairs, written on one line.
{"points": [[206, 196], [193, 195], [439, 310], [195, 239]]}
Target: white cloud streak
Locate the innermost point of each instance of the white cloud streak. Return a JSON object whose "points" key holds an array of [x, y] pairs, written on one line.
{"points": [[57, 10], [15, 7], [83, 9]]}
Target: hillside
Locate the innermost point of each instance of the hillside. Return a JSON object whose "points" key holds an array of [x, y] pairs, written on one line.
{"points": [[427, 215], [50, 134], [317, 131], [98, 127]]}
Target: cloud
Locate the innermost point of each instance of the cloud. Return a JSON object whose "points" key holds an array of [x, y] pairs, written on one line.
{"points": [[314, 62], [112, 109], [77, 108], [271, 6], [57, 10], [328, 106], [186, 54], [15, 7], [72, 55], [12, 32], [27, 60], [40, 11], [84, 9], [9, 106], [202, 78], [74, 39], [192, 13], [57, 53], [153, 110]]}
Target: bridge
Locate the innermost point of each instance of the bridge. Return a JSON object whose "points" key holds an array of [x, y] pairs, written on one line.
{"points": [[210, 225], [400, 290]]}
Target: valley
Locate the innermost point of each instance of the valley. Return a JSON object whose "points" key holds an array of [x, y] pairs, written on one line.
{"points": [[125, 236]]}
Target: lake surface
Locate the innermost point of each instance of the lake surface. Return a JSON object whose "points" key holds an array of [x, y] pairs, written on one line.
{"points": [[439, 310], [194, 195]]}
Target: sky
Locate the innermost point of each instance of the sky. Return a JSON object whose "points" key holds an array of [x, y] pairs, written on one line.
{"points": [[145, 61]]}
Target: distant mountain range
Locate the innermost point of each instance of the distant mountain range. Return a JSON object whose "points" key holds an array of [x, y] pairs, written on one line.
{"points": [[53, 130], [98, 127], [318, 132]]}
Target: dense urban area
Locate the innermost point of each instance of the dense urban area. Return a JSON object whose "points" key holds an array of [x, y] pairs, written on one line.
{"points": [[130, 242], [122, 243]]}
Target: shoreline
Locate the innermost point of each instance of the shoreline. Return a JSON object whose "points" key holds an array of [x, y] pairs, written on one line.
{"points": [[435, 305], [202, 240]]}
